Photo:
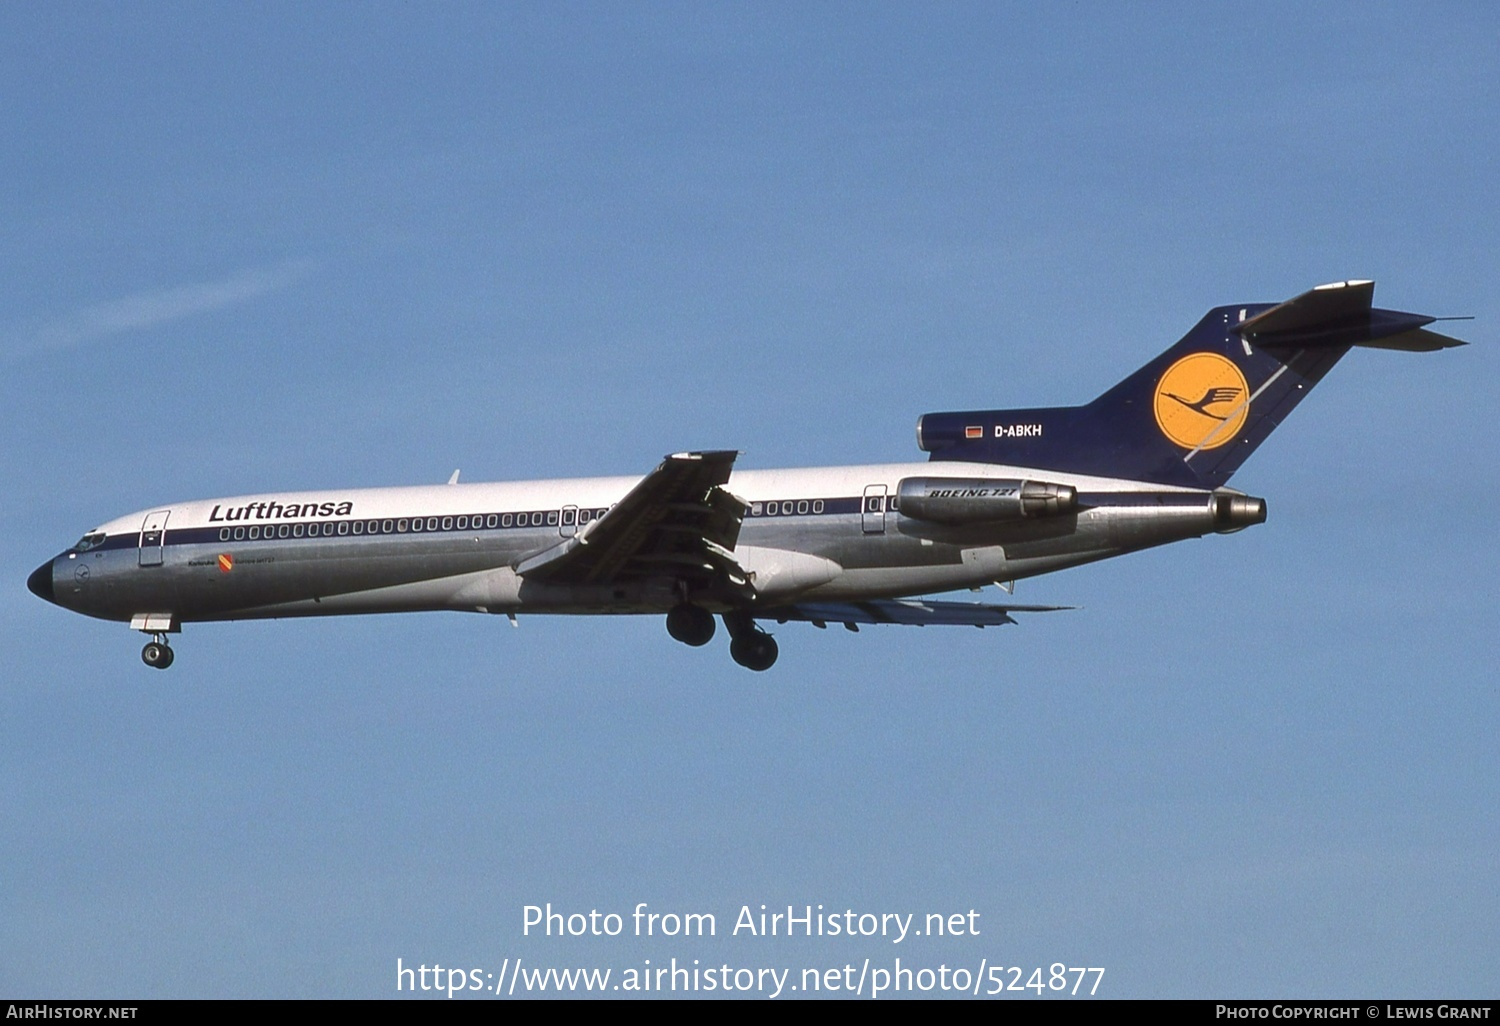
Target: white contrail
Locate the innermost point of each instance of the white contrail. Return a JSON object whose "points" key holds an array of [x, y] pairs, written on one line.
{"points": [[150, 309]]}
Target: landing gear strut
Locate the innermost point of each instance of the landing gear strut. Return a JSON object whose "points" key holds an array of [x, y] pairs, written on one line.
{"points": [[691, 625], [750, 646], [157, 654]]}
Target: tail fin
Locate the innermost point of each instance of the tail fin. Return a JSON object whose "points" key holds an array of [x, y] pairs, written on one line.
{"points": [[1195, 413]]}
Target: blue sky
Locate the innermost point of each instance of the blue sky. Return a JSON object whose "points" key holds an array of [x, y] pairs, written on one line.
{"points": [[280, 247]]}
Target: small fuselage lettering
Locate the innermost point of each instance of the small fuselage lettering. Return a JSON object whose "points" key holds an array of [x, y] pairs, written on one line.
{"points": [[970, 493]]}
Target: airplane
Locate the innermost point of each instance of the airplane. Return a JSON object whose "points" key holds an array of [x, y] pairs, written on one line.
{"points": [[1004, 495]]}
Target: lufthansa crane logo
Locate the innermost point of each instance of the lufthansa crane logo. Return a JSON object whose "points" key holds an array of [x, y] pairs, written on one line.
{"points": [[1202, 401]]}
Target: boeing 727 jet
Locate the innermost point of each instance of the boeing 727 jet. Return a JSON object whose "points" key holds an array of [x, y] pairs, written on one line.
{"points": [[1005, 494]]}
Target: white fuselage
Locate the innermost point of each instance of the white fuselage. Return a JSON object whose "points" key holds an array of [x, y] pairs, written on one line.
{"points": [[828, 533]]}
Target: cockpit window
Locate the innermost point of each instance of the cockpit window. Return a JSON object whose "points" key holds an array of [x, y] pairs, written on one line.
{"points": [[89, 541]]}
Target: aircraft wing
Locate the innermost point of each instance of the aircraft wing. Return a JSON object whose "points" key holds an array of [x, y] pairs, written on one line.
{"points": [[918, 612], [678, 522]]}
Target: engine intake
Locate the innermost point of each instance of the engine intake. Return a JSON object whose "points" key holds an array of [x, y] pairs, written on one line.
{"points": [[953, 500]]}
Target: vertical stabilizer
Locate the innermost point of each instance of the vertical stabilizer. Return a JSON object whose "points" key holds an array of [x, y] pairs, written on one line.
{"points": [[1195, 413]]}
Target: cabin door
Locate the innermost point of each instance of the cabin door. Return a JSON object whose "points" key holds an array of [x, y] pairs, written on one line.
{"points": [[153, 534], [873, 515]]}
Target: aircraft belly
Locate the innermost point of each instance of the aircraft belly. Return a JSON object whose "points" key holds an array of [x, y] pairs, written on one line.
{"points": [[222, 581], [497, 590]]}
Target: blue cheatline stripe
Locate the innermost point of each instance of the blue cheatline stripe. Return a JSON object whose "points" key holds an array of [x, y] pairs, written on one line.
{"points": [[359, 527]]}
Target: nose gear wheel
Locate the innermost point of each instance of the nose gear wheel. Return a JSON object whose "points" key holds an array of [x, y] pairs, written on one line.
{"points": [[157, 654]]}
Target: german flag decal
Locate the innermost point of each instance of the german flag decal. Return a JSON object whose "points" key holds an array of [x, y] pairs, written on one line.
{"points": [[226, 562]]}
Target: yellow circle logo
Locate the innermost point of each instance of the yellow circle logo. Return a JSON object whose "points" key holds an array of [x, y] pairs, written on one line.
{"points": [[1202, 401]]}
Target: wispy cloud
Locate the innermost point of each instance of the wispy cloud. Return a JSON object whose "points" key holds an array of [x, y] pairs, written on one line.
{"points": [[146, 310]]}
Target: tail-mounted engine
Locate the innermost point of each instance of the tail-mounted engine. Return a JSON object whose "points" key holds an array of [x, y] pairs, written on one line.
{"points": [[951, 500]]}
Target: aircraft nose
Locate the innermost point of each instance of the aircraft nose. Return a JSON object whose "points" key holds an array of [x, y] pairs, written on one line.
{"points": [[40, 582]]}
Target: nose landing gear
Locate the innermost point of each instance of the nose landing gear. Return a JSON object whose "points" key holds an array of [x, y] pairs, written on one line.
{"points": [[157, 654]]}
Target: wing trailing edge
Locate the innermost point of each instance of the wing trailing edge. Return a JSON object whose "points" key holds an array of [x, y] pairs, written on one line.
{"points": [[678, 522]]}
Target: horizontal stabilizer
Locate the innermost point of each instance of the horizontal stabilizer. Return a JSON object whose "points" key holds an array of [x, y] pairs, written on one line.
{"points": [[1419, 340], [1340, 315], [915, 612], [1340, 302]]}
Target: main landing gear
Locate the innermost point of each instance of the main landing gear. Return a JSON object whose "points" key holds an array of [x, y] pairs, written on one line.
{"points": [[749, 646], [690, 624], [755, 651], [157, 654]]}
